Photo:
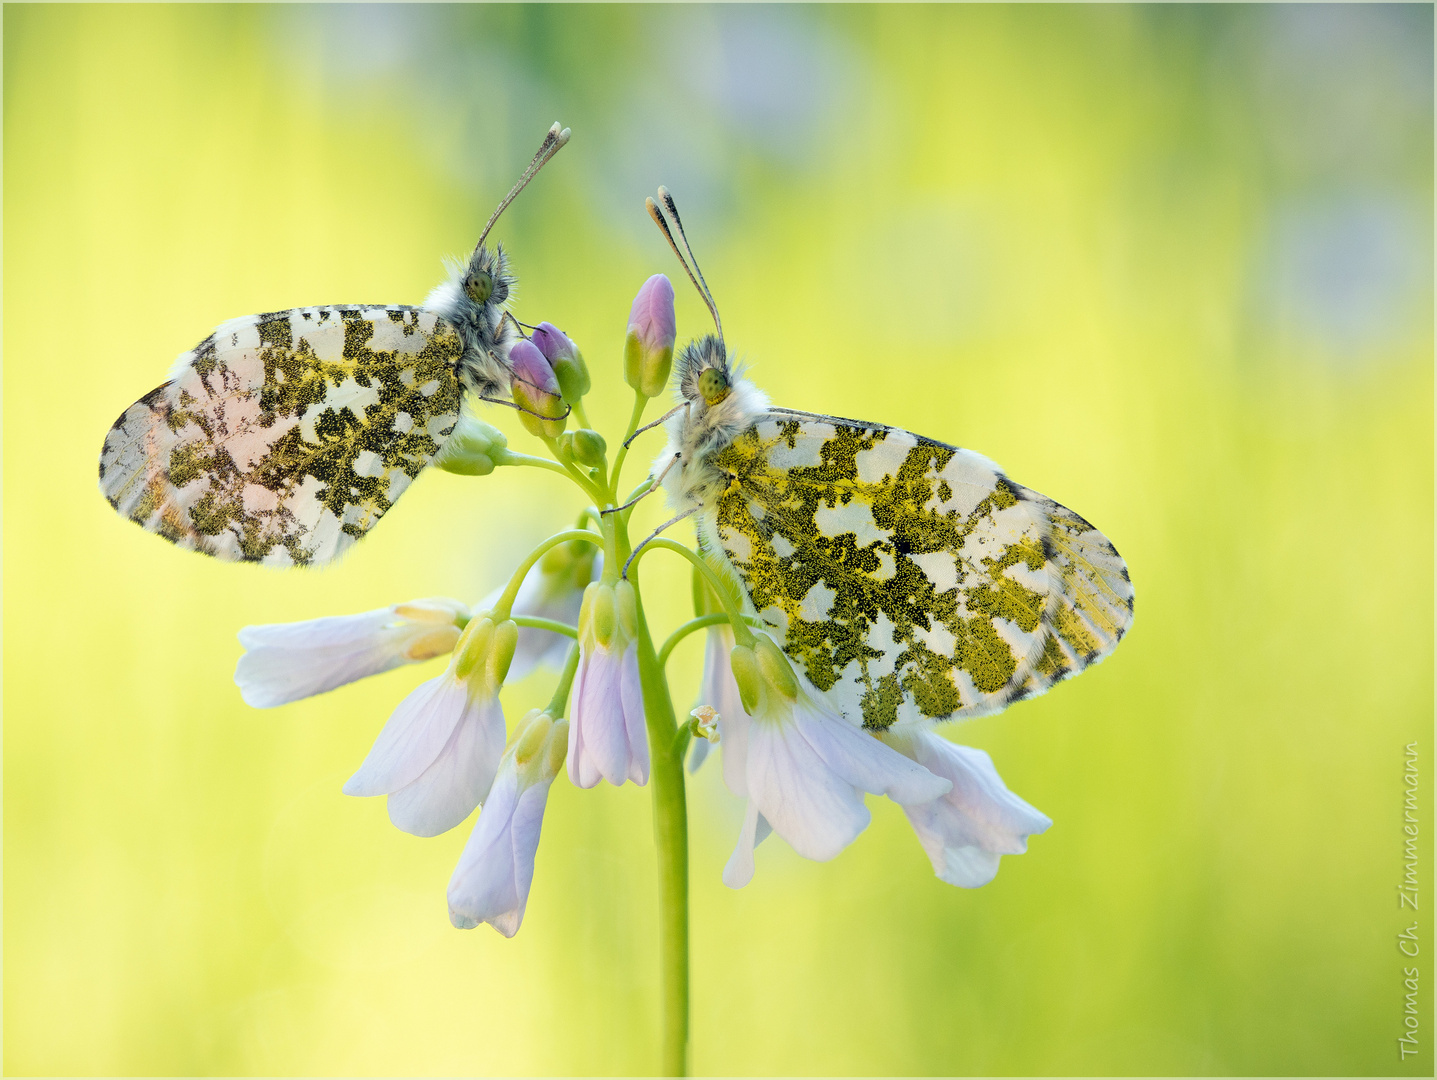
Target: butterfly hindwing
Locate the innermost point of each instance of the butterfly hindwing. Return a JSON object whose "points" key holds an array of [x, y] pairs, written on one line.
{"points": [[907, 578], [282, 438]]}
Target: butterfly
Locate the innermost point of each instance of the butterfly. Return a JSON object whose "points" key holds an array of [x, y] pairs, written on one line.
{"points": [[282, 438], [908, 579]]}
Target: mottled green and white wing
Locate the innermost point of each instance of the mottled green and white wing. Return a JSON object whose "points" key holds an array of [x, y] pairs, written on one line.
{"points": [[282, 438], [908, 579]]}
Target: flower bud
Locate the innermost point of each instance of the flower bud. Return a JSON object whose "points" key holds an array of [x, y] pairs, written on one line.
{"points": [[472, 448], [566, 360], [536, 392], [589, 448], [487, 650], [649, 346]]}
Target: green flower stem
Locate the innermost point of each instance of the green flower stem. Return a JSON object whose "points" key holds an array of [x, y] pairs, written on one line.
{"points": [[582, 416], [742, 634], [566, 679], [640, 402], [671, 838], [688, 628], [545, 624], [506, 601], [593, 490], [508, 457]]}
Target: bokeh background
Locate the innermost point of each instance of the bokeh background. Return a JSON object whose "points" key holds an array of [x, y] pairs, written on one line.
{"points": [[1170, 265]]}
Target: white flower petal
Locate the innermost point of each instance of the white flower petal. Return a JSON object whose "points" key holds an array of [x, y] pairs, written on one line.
{"points": [[632, 694], [738, 872], [966, 831], [412, 739], [864, 761], [288, 661], [817, 811], [491, 883], [718, 689], [448, 791]]}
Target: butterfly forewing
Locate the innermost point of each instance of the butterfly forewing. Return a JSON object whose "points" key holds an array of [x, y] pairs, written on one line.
{"points": [[282, 438], [907, 578]]}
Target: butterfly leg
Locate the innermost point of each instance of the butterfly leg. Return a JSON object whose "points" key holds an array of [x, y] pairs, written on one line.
{"points": [[672, 521], [653, 486], [656, 423]]}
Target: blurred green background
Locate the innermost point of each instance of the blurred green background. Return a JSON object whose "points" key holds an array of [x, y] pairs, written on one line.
{"points": [[1170, 265]]}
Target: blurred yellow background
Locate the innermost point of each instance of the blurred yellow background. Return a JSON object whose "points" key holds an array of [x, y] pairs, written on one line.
{"points": [[1171, 266]]}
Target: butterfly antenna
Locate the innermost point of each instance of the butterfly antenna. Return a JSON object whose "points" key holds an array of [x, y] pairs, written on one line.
{"points": [[552, 144], [668, 201], [659, 220]]}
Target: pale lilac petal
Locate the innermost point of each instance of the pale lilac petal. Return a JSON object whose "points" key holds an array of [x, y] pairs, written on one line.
{"points": [[288, 661], [733, 739], [866, 763], [449, 790], [491, 883], [596, 732], [632, 694], [966, 831], [738, 872], [412, 739], [817, 811], [718, 689]]}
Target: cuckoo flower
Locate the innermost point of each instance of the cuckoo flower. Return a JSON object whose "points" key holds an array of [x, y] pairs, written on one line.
{"points": [[718, 690], [436, 757], [284, 662], [606, 733], [491, 882], [965, 831], [803, 767], [649, 345]]}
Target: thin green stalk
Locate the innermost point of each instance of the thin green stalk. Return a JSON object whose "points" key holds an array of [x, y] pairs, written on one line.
{"points": [[593, 490], [742, 634], [506, 601], [582, 416], [716, 619], [566, 679], [640, 402], [508, 457], [545, 624], [671, 841]]}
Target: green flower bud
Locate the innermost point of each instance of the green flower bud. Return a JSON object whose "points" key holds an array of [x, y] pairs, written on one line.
{"points": [[472, 448], [588, 448]]}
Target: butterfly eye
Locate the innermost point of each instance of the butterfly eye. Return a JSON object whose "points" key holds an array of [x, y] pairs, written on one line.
{"points": [[713, 386], [479, 286]]}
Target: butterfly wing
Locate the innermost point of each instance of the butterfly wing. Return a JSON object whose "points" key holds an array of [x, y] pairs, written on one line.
{"points": [[282, 438], [910, 579]]}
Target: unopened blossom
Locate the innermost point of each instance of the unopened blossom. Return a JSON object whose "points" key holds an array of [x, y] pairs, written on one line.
{"points": [[718, 689], [473, 449], [437, 755], [606, 732], [965, 831], [802, 767], [491, 882], [284, 662], [552, 589], [566, 360], [536, 392], [649, 344]]}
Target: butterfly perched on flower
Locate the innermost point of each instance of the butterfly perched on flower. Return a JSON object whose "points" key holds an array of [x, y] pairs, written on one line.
{"points": [[282, 438], [909, 580]]}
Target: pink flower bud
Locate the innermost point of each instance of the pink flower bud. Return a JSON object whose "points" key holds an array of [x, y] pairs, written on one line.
{"points": [[536, 391], [565, 359], [649, 346]]}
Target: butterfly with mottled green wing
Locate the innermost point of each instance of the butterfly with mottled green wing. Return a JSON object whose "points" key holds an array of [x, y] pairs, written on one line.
{"points": [[908, 580], [284, 437]]}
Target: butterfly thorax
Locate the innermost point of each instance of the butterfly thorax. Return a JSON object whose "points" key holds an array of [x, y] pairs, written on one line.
{"points": [[472, 300], [719, 403]]}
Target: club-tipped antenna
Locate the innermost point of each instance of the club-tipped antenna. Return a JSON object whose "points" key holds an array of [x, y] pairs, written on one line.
{"points": [[703, 289], [552, 144]]}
